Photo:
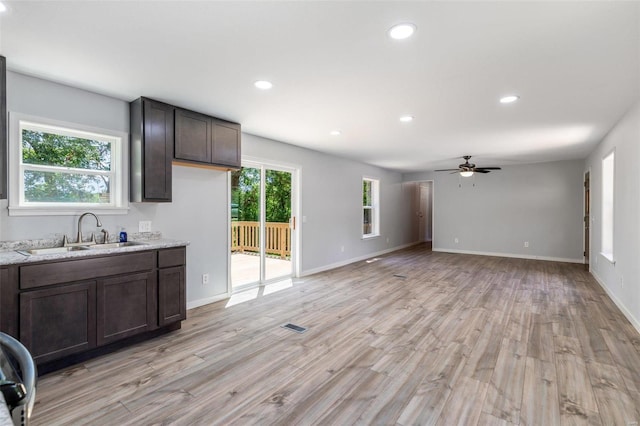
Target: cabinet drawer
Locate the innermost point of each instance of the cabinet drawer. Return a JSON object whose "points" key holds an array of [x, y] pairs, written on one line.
{"points": [[82, 269], [172, 257]]}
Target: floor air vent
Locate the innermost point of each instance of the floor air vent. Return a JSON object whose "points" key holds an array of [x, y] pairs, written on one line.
{"points": [[294, 327], [400, 276]]}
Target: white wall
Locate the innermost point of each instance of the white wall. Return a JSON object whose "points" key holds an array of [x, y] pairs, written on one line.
{"points": [[330, 195], [620, 280], [496, 213]]}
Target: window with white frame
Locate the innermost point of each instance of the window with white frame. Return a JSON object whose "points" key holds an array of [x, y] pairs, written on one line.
{"points": [[608, 183], [62, 168], [370, 207]]}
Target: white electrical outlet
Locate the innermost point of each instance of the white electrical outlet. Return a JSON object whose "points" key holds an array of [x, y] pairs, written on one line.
{"points": [[387, 240], [455, 240], [621, 281], [144, 226], [342, 249], [526, 243], [205, 279]]}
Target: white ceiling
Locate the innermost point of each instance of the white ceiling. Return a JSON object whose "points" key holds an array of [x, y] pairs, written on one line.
{"points": [[576, 66]]}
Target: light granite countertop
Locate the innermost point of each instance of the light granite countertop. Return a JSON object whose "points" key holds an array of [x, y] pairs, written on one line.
{"points": [[10, 256]]}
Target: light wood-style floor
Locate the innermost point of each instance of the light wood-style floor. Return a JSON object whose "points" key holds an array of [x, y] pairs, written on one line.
{"points": [[461, 340]]}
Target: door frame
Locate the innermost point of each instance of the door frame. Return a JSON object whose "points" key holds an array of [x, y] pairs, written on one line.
{"points": [[586, 237], [296, 238], [416, 194]]}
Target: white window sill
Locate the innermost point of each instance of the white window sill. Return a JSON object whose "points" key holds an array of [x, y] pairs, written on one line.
{"points": [[370, 236], [609, 257], [66, 211]]}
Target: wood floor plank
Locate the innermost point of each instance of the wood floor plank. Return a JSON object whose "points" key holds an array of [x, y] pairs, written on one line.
{"points": [[540, 403], [614, 403], [577, 401], [462, 339], [504, 395], [465, 402]]}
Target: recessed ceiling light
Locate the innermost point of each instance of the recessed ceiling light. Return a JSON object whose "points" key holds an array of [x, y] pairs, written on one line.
{"points": [[406, 118], [335, 133], [263, 84], [3, 8], [509, 99], [402, 31]]}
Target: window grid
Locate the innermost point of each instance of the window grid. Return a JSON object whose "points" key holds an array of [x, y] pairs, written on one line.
{"points": [[63, 168]]}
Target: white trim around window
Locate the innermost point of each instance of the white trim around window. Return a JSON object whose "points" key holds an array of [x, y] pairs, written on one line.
{"points": [[608, 202], [116, 175], [370, 208]]}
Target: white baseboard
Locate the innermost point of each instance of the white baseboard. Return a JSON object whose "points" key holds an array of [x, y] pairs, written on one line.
{"points": [[201, 302], [353, 260], [618, 302], [517, 256]]}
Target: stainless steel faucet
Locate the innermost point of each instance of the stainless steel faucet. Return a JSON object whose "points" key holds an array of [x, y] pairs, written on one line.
{"points": [[98, 224]]}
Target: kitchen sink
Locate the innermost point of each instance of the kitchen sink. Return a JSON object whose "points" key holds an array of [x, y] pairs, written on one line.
{"points": [[67, 249], [115, 245], [51, 250]]}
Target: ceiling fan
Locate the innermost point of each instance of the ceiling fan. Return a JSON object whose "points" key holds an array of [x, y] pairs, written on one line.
{"points": [[467, 169]]}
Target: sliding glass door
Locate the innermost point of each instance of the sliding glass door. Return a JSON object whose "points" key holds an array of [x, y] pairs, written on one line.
{"points": [[262, 224]]}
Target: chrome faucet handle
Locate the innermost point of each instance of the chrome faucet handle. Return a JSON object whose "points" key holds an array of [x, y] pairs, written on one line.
{"points": [[65, 241]]}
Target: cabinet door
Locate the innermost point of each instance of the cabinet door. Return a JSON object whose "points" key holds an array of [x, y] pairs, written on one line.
{"points": [[193, 136], [127, 305], [226, 144], [59, 321], [172, 304], [158, 150]]}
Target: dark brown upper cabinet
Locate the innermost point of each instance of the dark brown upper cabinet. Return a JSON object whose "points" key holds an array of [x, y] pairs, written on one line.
{"points": [[3, 128], [152, 140], [207, 140]]}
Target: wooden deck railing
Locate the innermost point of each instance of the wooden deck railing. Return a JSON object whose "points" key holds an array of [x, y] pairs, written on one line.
{"points": [[245, 236]]}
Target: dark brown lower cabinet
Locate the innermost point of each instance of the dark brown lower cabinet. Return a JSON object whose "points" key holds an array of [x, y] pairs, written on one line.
{"points": [[172, 305], [126, 306], [58, 321], [72, 308]]}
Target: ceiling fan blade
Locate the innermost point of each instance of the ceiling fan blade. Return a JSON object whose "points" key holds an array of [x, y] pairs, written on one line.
{"points": [[446, 170], [481, 171], [489, 168]]}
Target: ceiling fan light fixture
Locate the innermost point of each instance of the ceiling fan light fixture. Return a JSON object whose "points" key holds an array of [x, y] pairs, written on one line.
{"points": [[466, 173], [402, 31]]}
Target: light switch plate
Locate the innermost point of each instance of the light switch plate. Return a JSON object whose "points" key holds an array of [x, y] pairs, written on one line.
{"points": [[144, 226]]}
